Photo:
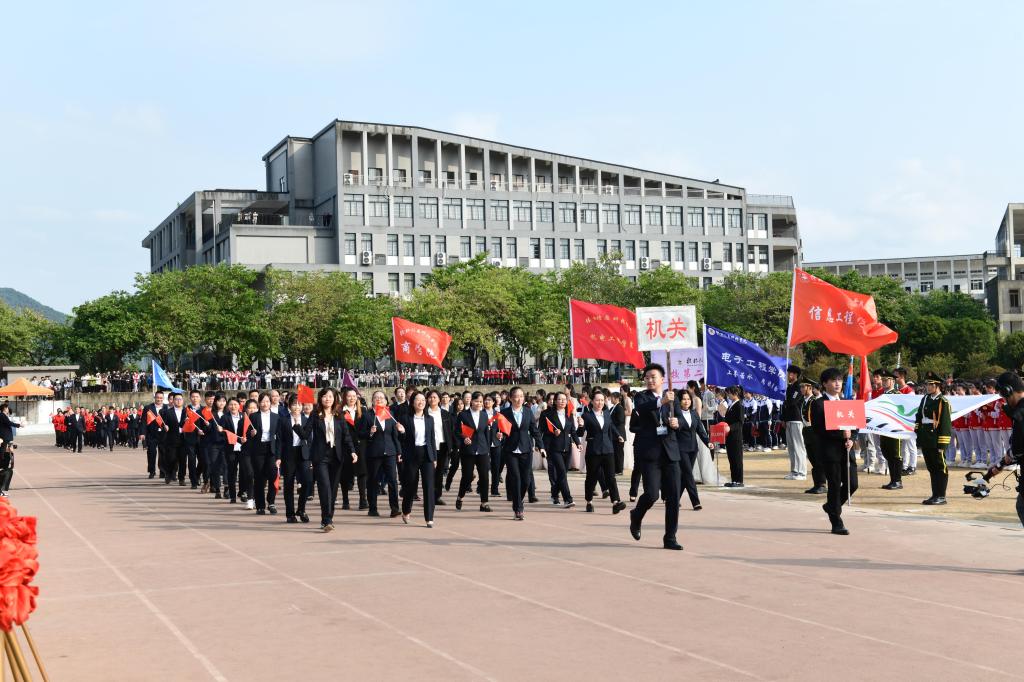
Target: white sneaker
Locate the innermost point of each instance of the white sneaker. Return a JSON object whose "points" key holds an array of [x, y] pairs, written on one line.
{"points": [[790, 477], [800, 477], [250, 504]]}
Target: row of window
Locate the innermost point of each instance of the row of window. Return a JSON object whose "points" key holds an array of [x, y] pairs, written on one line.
{"points": [[404, 283], [376, 206]]}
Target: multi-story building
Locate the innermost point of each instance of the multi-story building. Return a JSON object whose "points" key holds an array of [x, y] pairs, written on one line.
{"points": [[389, 203]]}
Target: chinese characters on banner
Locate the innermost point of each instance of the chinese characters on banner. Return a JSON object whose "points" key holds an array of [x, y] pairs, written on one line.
{"points": [[604, 332], [419, 344], [666, 328], [845, 321], [687, 365], [844, 415], [732, 359]]}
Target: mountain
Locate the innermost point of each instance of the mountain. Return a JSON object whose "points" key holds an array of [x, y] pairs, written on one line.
{"points": [[16, 299]]}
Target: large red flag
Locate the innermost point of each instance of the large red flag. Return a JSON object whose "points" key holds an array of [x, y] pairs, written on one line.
{"points": [[417, 343], [845, 321], [603, 332]]}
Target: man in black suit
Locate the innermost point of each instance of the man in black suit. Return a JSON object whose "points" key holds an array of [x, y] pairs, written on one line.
{"points": [[517, 448], [174, 457], [834, 452], [7, 425], [192, 438], [153, 430], [109, 427], [76, 430], [296, 461], [266, 455], [656, 452]]}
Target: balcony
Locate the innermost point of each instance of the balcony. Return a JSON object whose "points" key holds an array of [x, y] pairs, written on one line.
{"points": [[631, 191], [770, 200]]}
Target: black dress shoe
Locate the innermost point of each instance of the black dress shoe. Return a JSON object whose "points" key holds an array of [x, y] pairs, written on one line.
{"points": [[291, 519], [672, 544], [634, 526], [533, 500], [606, 494], [697, 507], [217, 495], [441, 503], [195, 486], [458, 504], [395, 513], [618, 506], [344, 506], [373, 512], [152, 475], [182, 484], [817, 490], [934, 501], [261, 512], [485, 507], [303, 517], [895, 485], [840, 530], [590, 507], [363, 506], [272, 509]]}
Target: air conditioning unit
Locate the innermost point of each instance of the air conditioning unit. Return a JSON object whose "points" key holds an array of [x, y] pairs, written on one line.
{"points": [[705, 263], [496, 262], [645, 263], [608, 189], [349, 180], [366, 258], [495, 184], [440, 259]]}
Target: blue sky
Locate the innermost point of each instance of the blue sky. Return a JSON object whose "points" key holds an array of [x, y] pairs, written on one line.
{"points": [[895, 126]]}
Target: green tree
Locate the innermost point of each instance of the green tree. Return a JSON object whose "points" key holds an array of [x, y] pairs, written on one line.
{"points": [[942, 364], [753, 306], [105, 332], [233, 313], [15, 343], [1011, 350], [970, 336], [925, 335]]}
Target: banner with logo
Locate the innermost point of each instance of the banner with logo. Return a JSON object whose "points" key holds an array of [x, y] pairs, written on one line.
{"points": [[732, 359], [894, 414]]}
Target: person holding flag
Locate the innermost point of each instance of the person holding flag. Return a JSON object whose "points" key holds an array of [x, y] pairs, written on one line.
{"points": [[329, 443], [834, 448], [475, 432], [231, 426], [351, 471], [600, 432], [559, 432], [934, 431], [153, 435], [174, 462], [266, 454], [296, 457], [518, 434], [193, 431], [383, 451], [215, 444], [419, 448]]}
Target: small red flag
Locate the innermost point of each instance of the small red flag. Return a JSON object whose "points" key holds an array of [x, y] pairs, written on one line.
{"points": [[306, 395], [417, 343], [569, 407], [151, 417], [468, 431], [382, 412], [551, 427], [246, 425], [191, 417], [231, 436], [349, 418], [207, 414], [277, 481], [504, 425]]}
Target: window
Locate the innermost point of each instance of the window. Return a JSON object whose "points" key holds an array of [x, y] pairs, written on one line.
{"points": [[631, 215], [757, 221], [472, 179], [927, 286], [716, 217], [453, 209], [616, 246], [762, 255], [566, 212], [350, 243], [499, 210], [518, 181], [428, 208], [705, 249], [695, 216], [449, 178], [368, 281], [425, 246], [645, 250], [403, 207], [588, 214], [602, 247], [751, 253], [496, 247], [481, 245], [738, 253], [398, 175], [475, 209], [680, 251], [393, 282], [727, 252], [666, 251], [353, 204], [521, 211], [706, 282], [392, 245], [549, 247], [976, 285], [610, 214], [378, 206], [367, 241], [542, 181], [691, 252], [511, 247], [534, 247], [1014, 296], [563, 249], [545, 212], [282, 185], [735, 220], [408, 283], [629, 253], [563, 183], [374, 174], [440, 244], [427, 177], [578, 249], [674, 216], [653, 215], [409, 245], [465, 248]]}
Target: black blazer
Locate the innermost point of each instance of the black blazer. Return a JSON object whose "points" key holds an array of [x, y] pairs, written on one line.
{"points": [[409, 437], [275, 432], [75, 422], [481, 441], [384, 442], [524, 437], [225, 423], [174, 435], [831, 444], [648, 414], [600, 438], [447, 427], [358, 442], [152, 430], [734, 418], [316, 433], [285, 432], [192, 438], [619, 417], [689, 433], [566, 436], [6, 428]]}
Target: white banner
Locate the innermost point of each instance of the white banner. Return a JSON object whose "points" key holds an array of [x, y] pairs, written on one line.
{"points": [[666, 328], [894, 414], [687, 365]]}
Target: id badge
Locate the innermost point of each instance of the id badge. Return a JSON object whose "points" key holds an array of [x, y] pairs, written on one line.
{"points": [[662, 430]]}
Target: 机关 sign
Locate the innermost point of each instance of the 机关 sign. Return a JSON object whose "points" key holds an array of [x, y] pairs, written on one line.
{"points": [[666, 328]]}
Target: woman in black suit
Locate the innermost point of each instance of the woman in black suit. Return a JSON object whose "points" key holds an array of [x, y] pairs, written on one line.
{"points": [[352, 411], [690, 429], [732, 413], [330, 443], [419, 457], [601, 434], [559, 432], [232, 421], [383, 448]]}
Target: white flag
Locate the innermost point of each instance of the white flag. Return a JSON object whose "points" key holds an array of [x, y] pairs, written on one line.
{"points": [[894, 414]]}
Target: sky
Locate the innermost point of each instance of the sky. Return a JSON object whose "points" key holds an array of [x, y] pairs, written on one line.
{"points": [[895, 126]]}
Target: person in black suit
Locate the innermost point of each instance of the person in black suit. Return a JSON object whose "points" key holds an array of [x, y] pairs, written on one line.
{"points": [[731, 410], [419, 457], [153, 430], [517, 448], [474, 432], [174, 459], [444, 441], [76, 427], [266, 455], [601, 434], [133, 428], [194, 437], [353, 472], [558, 430], [834, 452], [7, 425], [655, 419], [619, 420], [296, 460], [109, 426], [690, 429], [383, 448], [232, 421], [329, 444], [215, 445]]}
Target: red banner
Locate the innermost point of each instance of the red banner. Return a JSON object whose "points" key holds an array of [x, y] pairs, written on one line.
{"points": [[845, 321], [419, 344], [844, 414], [604, 332]]}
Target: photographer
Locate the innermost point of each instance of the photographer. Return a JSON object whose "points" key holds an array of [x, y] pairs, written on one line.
{"points": [[1011, 388], [6, 466], [7, 425]]}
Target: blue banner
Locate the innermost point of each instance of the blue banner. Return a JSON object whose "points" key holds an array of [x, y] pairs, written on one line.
{"points": [[732, 359], [160, 378]]}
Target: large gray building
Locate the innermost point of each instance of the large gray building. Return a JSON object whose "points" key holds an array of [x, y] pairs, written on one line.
{"points": [[389, 203]]}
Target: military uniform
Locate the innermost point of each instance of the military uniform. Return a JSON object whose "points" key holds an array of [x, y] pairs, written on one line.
{"points": [[892, 448], [934, 432], [810, 442]]}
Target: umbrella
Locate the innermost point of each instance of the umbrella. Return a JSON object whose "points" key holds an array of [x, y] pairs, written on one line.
{"points": [[22, 388]]}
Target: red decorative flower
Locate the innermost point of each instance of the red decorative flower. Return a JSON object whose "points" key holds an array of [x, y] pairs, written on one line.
{"points": [[18, 566]]}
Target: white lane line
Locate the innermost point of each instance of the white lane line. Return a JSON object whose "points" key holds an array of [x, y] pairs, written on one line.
{"points": [[355, 609], [153, 608]]}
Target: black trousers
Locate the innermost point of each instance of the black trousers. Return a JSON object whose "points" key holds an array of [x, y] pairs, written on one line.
{"points": [[559, 475], [440, 470], [620, 452], [496, 464], [109, 438], [327, 474], [264, 472], [817, 467], [734, 449], [375, 467], [935, 460], [453, 467], [231, 463], [517, 478], [172, 455], [245, 473], [600, 467], [841, 478], [892, 451], [687, 460], [152, 452], [5, 478], [295, 468], [416, 467], [78, 440], [483, 468], [192, 461], [661, 479], [214, 463]]}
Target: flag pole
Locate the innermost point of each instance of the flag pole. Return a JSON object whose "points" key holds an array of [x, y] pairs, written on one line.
{"points": [[789, 330], [572, 343]]}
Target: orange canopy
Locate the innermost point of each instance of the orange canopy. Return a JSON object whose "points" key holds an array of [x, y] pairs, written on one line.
{"points": [[22, 387]]}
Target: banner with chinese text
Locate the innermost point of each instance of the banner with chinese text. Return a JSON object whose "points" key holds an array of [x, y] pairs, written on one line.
{"points": [[666, 328], [603, 332], [732, 359], [687, 365], [845, 321]]}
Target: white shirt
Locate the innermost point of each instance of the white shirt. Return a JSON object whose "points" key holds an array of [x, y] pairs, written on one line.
{"points": [[518, 416], [177, 416], [438, 428], [329, 430], [265, 431], [687, 417], [235, 418], [419, 425], [296, 441], [560, 415], [599, 416]]}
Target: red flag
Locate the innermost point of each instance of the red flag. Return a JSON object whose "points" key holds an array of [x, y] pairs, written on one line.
{"points": [[569, 407], [604, 332], [191, 417], [845, 321], [305, 394], [382, 412], [865, 379], [551, 427], [277, 480], [207, 414], [151, 417], [504, 425], [349, 418], [417, 343], [468, 431], [246, 425], [231, 436]]}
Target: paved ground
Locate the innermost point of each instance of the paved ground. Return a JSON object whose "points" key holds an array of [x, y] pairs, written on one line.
{"points": [[140, 581]]}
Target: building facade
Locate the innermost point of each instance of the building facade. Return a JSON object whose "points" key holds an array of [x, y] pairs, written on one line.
{"points": [[389, 203]]}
